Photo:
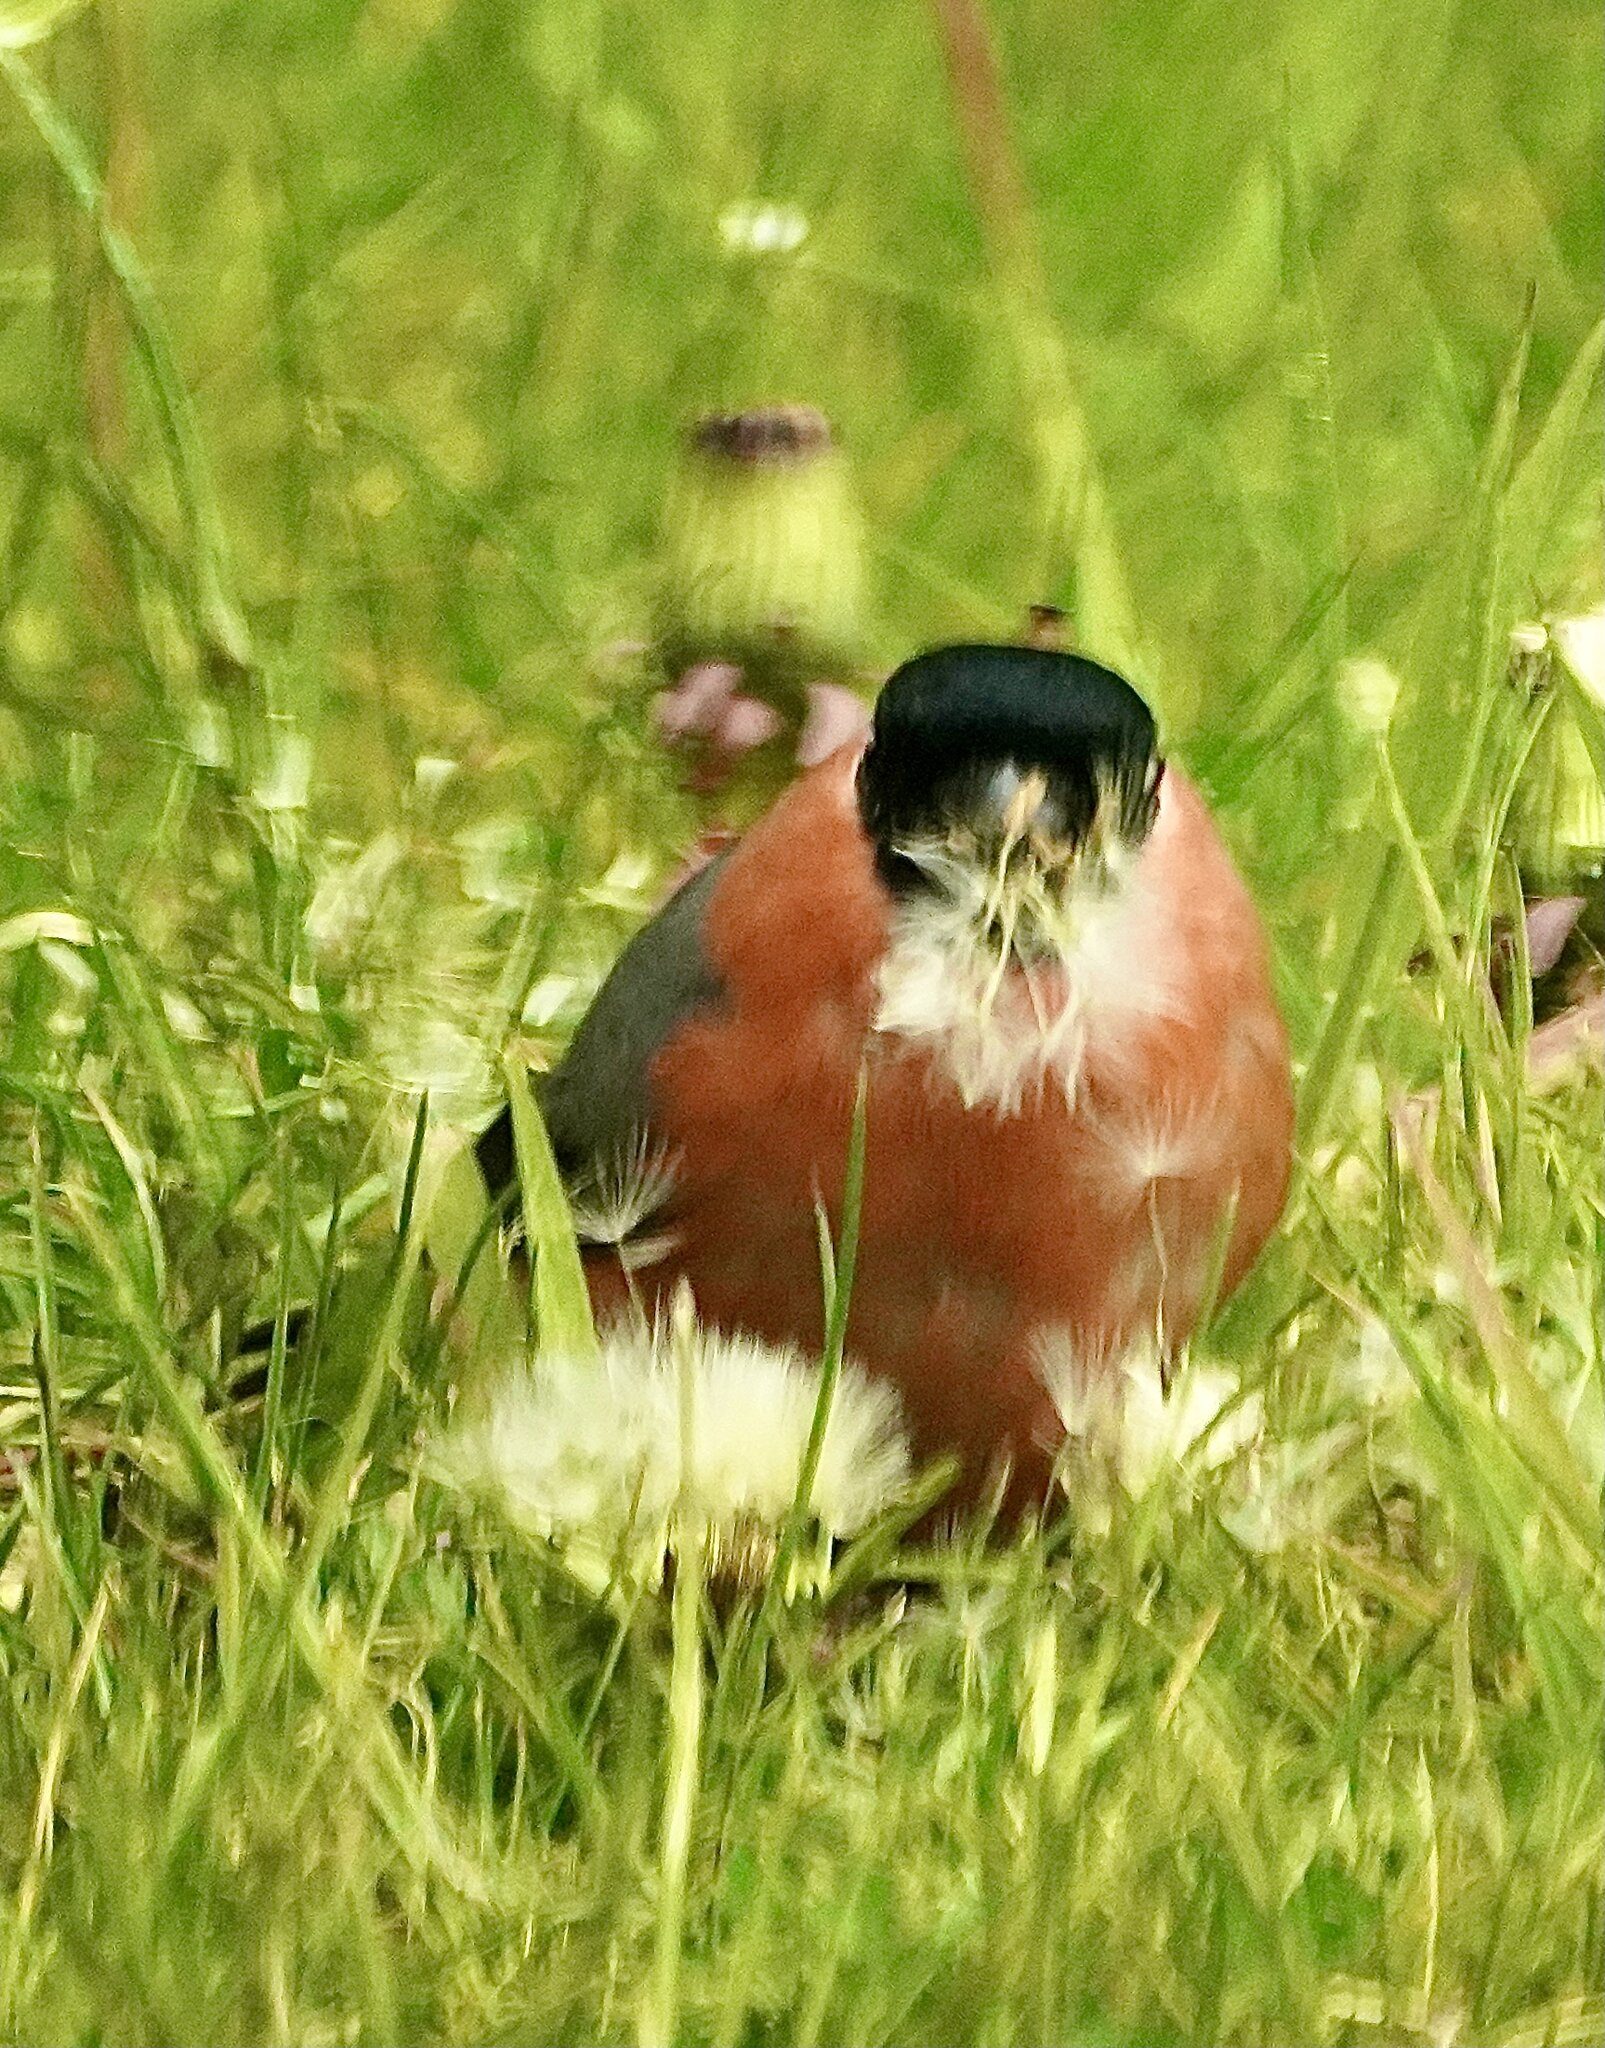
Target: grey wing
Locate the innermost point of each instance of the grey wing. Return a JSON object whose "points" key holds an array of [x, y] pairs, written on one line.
{"points": [[597, 1100]]}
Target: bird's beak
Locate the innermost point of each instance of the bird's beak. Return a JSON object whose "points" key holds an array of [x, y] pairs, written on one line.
{"points": [[1024, 804], [1022, 812]]}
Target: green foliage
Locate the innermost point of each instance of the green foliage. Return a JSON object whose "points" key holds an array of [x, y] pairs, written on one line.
{"points": [[345, 351]]}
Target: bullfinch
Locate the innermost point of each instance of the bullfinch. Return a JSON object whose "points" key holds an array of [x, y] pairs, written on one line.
{"points": [[1019, 922]]}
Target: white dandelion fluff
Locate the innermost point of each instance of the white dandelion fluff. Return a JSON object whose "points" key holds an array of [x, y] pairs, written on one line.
{"points": [[604, 1453], [1124, 1423], [1006, 971], [623, 1192]]}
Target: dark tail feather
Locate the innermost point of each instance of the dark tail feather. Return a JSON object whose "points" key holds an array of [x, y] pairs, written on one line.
{"points": [[494, 1150]]}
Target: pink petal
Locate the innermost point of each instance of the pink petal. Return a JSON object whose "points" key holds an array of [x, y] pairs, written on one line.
{"points": [[1549, 926], [745, 723], [835, 716], [696, 701]]}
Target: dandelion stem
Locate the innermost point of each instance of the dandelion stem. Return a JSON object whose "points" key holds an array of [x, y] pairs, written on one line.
{"points": [[660, 2017]]}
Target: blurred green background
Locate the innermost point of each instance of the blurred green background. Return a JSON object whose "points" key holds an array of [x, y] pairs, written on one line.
{"points": [[1274, 268], [345, 354]]}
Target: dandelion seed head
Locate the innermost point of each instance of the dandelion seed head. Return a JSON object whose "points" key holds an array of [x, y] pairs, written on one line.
{"points": [[595, 1451]]}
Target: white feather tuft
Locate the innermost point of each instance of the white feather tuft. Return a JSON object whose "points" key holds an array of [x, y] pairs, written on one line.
{"points": [[593, 1452]]}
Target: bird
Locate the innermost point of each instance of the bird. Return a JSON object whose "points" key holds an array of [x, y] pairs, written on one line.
{"points": [[1009, 913]]}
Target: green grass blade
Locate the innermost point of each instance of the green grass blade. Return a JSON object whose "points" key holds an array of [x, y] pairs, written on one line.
{"points": [[560, 1301], [219, 611]]}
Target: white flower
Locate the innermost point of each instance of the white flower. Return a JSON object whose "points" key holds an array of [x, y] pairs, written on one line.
{"points": [[763, 230], [1368, 692], [1582, 645]]}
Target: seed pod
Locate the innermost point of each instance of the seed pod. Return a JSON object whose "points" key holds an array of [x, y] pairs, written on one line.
{"points": [[762, 556]]}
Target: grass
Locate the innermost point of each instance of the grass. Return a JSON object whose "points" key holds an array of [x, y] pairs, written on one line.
{"points": [[343, 351]]}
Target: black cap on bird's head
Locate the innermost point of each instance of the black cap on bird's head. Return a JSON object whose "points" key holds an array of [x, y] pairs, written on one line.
{"points": [[979, 750]]}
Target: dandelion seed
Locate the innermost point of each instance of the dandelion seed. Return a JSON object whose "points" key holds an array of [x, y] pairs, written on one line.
{"points": [[623, 1193], [1124, 1425], [1005, 968]]}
